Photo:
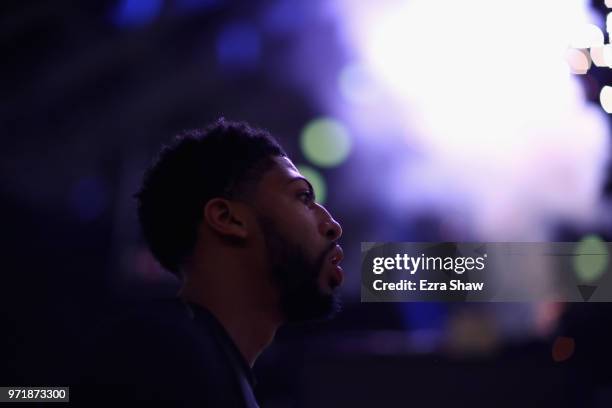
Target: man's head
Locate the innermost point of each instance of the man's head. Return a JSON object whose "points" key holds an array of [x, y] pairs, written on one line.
{"points": [[232, 186]]}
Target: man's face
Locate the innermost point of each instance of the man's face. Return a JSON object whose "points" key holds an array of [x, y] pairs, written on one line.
{"points": [[300, 237]]}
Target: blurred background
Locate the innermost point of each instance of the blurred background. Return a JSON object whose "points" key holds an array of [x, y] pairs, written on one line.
{"points": [[415, 120]]}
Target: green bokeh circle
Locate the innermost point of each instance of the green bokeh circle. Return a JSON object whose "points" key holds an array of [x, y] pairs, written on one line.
{"points": [[325, 142], [317, 180], [591, 259]]}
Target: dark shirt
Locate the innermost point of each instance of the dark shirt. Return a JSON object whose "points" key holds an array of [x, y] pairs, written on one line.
{"points": [[167, 352]]}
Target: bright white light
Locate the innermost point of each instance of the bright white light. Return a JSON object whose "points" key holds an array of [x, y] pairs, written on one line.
{"points": [[607, 55], [597, 56], [586, 36], [609, 3], [609, 22], [605, 98], [578, 61], [503, 130], [357, 85]]}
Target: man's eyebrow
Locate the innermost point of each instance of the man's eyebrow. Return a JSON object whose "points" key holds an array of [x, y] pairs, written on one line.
{"points": [[303, 179]]}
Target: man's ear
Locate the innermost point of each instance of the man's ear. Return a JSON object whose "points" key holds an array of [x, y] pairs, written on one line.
{"points": [[226, 217]]}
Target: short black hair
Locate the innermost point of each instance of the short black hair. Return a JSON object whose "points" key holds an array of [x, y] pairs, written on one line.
{"points": [[225, 159]]}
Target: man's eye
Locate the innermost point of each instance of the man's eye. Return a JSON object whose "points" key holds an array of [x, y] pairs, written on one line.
{"points": [[306, 197]]}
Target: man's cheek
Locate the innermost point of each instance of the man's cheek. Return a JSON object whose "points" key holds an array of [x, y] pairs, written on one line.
{"points": [[322, 280]]}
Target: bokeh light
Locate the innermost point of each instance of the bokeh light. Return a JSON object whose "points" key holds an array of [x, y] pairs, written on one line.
{"points": [[136, 12], [578, 60], [607, 55], [481, 134], [563, 348], [317, 180], [605, 98], [238, 47], [586, 36], [325, 142], [591, 258], [597, 56]]}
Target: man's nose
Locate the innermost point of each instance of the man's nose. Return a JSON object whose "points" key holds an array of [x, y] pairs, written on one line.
{"points": [[329, 227]]}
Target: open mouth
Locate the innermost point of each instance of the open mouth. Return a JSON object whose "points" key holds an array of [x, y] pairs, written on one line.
{"points": [[337, 255], [335, 259]]}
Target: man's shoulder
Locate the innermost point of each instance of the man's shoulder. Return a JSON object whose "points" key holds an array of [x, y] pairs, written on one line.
{"points": [[155, 319], [155, 351], [153, 339]]}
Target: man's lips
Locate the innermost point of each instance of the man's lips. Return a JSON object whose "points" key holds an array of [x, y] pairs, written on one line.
{"points": [[335, 258], [337, 254]]}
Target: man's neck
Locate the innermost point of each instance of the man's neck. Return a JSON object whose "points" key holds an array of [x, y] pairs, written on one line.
{"points": [[250, 326]]}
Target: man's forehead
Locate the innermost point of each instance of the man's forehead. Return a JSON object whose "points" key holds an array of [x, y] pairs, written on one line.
{"points": [[284, 170], [277, 177]]}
